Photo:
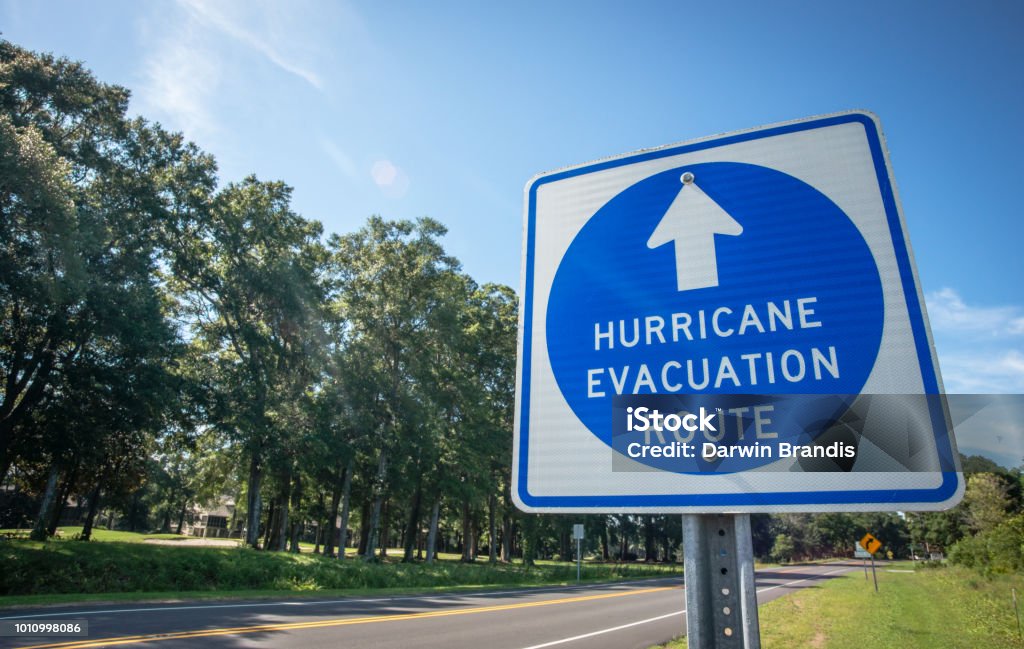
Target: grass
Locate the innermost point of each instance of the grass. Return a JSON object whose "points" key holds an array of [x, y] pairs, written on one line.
{"points": [[65, 533], [71, 571], [947, 607]]}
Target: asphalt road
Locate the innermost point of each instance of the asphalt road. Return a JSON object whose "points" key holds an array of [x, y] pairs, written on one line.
{"points": [[632, 614]]}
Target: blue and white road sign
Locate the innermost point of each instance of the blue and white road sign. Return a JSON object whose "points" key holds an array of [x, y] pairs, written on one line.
{"points": [[767, 262]]}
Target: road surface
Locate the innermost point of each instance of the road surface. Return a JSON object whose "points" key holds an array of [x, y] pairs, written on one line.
{"points": [[626, 614]]}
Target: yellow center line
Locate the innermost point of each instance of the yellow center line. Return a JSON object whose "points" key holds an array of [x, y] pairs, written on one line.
{"points": [[264, 628]]}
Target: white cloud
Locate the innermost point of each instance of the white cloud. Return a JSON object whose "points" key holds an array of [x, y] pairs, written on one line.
{"points": [[180, 75], [189, 63], [981, 349], [210, 15], [983, 371], [948, 312]]}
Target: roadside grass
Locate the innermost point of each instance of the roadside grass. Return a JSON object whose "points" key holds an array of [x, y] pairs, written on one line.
{"points": [[948, 607], [68, 533], [69, 571]]}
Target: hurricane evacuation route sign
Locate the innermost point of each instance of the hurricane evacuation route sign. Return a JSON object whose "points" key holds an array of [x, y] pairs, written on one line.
{"points": [[757, 291]]}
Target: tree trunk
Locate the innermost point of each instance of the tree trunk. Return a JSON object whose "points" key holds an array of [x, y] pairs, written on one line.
{"points": [[39, 531], [5, 466], [94, 501], [280, 540], [271, 524], [62, 499], [506, 539], [492, 544], [254, 503], [604, 541], [378, 501], [413, 525], [364, 526], [133, 512], [165, 526], [346, 490], [278, 534], [385, 528], [181, 514], [467, 532], [435, 515], [297, 522], [331, 527], [650, 547]]}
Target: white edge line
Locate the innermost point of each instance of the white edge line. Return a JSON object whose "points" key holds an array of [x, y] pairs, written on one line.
{"points": [[668, 615], [824, 574], [614, 628]]}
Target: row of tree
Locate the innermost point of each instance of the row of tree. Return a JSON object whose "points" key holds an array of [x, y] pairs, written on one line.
{"points": [[149, 315], [167, 341]]}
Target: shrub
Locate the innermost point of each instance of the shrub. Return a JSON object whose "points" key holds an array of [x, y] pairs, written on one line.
{"points": [[999, 550], [30, 568]]}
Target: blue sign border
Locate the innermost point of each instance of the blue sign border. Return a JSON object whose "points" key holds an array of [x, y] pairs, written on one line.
{"points": [[950, 479]]}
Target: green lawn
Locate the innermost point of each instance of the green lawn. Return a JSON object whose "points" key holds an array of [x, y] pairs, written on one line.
{"points": [[67, 533], [933, 607]]}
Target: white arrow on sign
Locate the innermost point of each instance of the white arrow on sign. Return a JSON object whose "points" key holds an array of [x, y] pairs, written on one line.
{"points": [[692, 221]]}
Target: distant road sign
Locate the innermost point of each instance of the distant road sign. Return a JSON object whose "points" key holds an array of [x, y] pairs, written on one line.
{"points": [[577, 531], [870, 543], [767, 262], [861, 553]]}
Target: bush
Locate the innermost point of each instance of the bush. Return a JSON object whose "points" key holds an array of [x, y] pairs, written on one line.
{"points": [[999, 550], [30, 568], [783, 549]]}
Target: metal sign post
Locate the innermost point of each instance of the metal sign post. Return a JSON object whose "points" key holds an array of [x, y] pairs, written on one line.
{"points": [[859, 552], [579, 560], [577, 533], [721, 598], [871, 545]]}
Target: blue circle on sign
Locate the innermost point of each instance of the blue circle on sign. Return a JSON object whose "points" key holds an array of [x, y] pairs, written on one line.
{"points": [[797, 309]]}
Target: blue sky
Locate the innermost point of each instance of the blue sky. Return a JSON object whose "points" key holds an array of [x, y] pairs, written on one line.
{"points": [[447, 109]]}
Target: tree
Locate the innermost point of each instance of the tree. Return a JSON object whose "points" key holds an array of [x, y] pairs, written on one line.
{"points": [[250, 275], [986, 501], [84, 192], [783, 549], [389, 275]]}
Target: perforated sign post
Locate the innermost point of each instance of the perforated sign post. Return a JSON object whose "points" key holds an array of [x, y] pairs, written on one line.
{"points": [[871, 545], [577, 533], [727, 326]]}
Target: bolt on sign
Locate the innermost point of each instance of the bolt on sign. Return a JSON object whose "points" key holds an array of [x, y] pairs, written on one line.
{"points": [[733, 324]]}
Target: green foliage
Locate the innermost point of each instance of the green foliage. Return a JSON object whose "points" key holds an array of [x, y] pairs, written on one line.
{"points": [[996, 550], [783, 549], [86, 351], [66, 567], [986, 501]]}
